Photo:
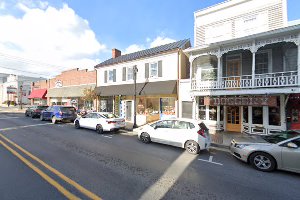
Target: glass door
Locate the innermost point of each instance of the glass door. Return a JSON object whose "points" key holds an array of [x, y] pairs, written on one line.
{"points": [[233, 71]]}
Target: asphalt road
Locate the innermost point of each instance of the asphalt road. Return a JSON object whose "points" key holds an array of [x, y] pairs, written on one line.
{"points": [[118, 166]]}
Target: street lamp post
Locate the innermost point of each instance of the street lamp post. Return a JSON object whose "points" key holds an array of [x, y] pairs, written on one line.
{"points": [[135, 70]]}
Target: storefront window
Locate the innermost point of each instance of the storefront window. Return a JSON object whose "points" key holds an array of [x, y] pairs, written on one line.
{"points": [[274, 114], [106, 105], [152, 106], [141, 106], [245, 114], [202, 109], [257, 115], [213, 113], [167, 106]]}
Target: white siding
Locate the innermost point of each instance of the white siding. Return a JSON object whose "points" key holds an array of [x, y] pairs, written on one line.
{"points": [[238, 18], [169, 70]]}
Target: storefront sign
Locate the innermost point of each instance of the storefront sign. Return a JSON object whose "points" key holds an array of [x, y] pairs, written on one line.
{"points": [[11, 90], [58, 84], [241, 101]]}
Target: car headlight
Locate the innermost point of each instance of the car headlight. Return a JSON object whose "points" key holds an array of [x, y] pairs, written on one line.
{"points": [[241, 146]]}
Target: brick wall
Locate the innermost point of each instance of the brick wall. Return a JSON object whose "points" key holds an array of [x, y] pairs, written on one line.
{"points": [[74, 77]]}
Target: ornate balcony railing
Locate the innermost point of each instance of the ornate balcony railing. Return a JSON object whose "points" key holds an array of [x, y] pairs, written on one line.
{"points": [[279, 79]]}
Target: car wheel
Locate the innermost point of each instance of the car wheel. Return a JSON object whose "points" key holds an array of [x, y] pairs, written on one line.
{"points": [[99, 129], [53, 120], [145, 137], [262, 161], [192, 147], [41, 118], [77, 125]]}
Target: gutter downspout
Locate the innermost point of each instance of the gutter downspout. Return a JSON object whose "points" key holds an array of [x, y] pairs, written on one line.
{"points": [[178, 78]]}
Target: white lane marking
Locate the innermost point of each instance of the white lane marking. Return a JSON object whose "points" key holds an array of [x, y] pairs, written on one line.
{"points": [[106, 136], [18, 127], [210, 158], [10, 117], [211, 161]]}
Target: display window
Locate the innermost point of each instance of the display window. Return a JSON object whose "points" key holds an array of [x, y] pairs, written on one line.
{"points": [[257, 115], [274, 114], [167, 106], [152, 106], [213, 113], [245, 114], [141, 106]]}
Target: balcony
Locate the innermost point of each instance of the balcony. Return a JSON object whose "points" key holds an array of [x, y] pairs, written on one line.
{"points": [[269, 80]]}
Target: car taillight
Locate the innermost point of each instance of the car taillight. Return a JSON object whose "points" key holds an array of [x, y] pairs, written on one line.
{"points": [[111, 122], [202, 133]]}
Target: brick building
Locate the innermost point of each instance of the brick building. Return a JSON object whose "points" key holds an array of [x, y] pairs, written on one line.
{"points": [[66, 89]]}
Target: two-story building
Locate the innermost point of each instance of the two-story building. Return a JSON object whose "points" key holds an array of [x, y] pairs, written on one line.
{"points": [[245, 71], [157, 72]]}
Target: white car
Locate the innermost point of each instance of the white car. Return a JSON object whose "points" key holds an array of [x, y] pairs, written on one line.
{"points": [[184, 133], [100, 121]]}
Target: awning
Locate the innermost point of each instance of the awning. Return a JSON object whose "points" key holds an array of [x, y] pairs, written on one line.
{"points": [[38, 94], [148, 88], [72, 91]]}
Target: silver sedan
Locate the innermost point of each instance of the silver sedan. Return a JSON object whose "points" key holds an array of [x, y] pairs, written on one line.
{"points": [[266, 153]]}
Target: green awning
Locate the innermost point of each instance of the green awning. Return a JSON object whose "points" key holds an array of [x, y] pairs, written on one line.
{"points": [[148, 88], [72, 91]]}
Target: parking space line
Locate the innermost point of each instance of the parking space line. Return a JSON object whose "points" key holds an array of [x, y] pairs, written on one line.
{"points": [[17, 127], [10, 117], [106, 136], [210, 161], [210, 158]]}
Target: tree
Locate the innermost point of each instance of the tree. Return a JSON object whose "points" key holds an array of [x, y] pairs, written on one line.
{"points": [[89, 95]]}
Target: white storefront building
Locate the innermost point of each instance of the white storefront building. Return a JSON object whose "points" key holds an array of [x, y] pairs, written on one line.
{"points": [[245, 67]]}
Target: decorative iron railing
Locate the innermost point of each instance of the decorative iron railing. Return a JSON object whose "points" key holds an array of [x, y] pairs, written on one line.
{"points": [[279, 79]]}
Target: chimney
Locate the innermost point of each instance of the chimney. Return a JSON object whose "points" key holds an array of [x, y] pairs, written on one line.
{"points": [[116, 53]]}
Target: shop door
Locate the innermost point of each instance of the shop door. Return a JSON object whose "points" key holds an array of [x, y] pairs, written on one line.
{"points": [[233, 72], [128, 113], [233, 119]]}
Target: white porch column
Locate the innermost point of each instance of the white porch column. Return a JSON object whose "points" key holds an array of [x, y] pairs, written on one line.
{"points": [[282, 112], [253, 68], [218, 117], [219, 69], [266, 118], [195, 107], [250, 118], [225, 118], [191, 59]]}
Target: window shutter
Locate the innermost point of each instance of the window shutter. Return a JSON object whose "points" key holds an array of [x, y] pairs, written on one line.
{"points": [[115, 71], [124, 74], [105, 76], [146, 70], [160, 68]]}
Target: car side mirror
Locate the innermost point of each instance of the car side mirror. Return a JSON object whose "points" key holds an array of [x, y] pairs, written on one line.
{"points": [[292, 145], [155, 127]]}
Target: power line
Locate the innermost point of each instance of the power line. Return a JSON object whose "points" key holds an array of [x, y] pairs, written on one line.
{"points": [[23, 71]]}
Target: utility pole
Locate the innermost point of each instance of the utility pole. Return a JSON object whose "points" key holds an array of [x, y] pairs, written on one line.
{"points": [[135, 70], [21, 95]]}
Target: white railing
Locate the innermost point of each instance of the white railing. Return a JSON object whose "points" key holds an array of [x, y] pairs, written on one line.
{"points": [[279, 79]]}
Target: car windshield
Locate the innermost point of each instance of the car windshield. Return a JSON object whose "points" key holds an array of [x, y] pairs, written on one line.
{"points": [[67, 109], [109, 115], [276, 138]]}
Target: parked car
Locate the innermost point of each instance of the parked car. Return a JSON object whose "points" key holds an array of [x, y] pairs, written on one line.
{"points": [[100, 121], [34, 111], [184, 133], [266, 153], [59, 113]]}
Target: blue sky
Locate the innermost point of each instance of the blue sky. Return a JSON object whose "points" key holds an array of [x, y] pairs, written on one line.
{"points": [[66, 34]]}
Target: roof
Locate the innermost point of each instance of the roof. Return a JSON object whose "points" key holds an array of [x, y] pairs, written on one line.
{"points": [[39, 93], [148, 88], [72, 91], [182, 44]]}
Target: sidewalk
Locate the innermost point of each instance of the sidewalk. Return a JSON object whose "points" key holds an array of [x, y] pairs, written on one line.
{"points": [[12, 109]]}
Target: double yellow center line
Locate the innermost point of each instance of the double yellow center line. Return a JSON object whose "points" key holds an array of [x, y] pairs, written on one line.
{"points": [[59, 187]]}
